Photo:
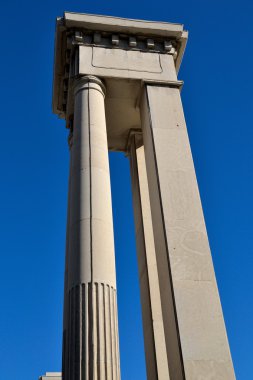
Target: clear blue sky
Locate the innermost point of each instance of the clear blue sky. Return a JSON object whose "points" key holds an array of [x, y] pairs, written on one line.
{"points": [[217, 97]]}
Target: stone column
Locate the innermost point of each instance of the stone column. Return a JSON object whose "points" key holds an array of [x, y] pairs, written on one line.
{"points": [[153, 329], [90, 349], [195, 334], [66, 297]]}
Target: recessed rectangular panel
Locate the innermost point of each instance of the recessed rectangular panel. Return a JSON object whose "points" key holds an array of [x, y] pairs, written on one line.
{"points": [[126, 64], [126, 60]]}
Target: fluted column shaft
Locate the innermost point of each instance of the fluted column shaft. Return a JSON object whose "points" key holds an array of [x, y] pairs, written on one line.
{"points": [[90, 347]]}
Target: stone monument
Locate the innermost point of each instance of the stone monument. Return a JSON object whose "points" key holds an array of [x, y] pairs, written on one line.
{"points": [[116, 85]]}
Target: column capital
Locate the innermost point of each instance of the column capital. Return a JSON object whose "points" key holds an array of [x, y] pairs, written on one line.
{"points": [[89, 82]]}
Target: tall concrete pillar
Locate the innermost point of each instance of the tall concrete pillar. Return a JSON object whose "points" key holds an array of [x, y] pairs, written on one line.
{"points": [[153, 328], [184, 332], [195, 333], [90, 349]]}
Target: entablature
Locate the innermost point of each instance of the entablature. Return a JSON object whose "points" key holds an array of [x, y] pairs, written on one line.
{"points": [[113, 47]]}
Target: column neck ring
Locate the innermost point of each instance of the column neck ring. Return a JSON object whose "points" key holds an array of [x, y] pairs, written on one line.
{"points": [[86, 82]]}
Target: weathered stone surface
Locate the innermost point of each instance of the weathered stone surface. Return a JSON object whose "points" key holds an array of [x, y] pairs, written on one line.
{"points": [[90, 321], [118, 63], [153, 327], [182, 248], [184, 331]]}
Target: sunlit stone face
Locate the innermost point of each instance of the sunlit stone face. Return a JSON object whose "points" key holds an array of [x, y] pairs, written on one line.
{"points": [[115, 83]]}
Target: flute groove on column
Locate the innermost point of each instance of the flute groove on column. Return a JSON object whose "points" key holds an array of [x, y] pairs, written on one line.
{"points": [[90, 347], [104, 344]]}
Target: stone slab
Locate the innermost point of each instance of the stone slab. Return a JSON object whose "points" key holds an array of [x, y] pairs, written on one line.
{"points": [[117, 63], [122, 25], [184, 261], [51, 376]]}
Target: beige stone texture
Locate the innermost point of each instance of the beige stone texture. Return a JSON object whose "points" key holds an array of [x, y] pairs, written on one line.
{"points": [[51, 376], [90, 348], [184, 331], [91, 226], [182, 248], [153, 328], [126, 64]]}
